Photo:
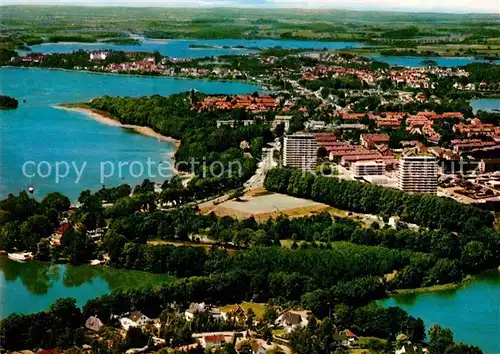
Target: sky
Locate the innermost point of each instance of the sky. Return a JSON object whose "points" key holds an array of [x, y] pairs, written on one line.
{"points": [[450, 6]]}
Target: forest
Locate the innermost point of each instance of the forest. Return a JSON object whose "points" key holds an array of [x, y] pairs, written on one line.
{"points": [[423, 210], [334, 265], [201, 140]]}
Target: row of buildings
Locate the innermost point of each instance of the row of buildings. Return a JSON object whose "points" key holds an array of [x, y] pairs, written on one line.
{"points": [[417, 174]]}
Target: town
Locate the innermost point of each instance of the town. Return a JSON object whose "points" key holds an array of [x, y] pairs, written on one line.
{"points": [[357, 182]]}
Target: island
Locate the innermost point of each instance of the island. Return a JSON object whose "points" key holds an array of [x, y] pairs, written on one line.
{"points": [[7, 102]]}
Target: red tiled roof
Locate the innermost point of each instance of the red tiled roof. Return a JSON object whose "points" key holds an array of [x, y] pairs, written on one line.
{"points": [[349, 333], [215, 338]]}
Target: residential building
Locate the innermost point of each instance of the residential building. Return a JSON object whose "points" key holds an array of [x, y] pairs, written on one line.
{"points": [[203, 308], [418, 174], [410, 348], [300, 151], [370, 140], [93, 323], [136, 319], [291, 320], [98, 55], [258, 348], [233, 123], [489, 165], [212, 341], [285, 120], [360, 169], [315, 125]]}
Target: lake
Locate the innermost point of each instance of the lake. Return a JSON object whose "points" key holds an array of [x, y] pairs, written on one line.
{"points": [[471, 312], [177, 48], [416, 61], [34, 286], [486, 104], [38, 132]]}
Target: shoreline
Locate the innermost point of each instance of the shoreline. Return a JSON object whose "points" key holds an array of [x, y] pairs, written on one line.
{"points": [[160, 77], [102, 118], [107, 120]]}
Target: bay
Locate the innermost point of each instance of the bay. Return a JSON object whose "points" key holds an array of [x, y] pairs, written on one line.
{"points": [[178, 48], [417, 61], [491, 105], [38, 132], [472, 312]]}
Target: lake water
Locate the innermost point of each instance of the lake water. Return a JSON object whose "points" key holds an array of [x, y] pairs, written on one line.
{"points": [[417, 61], [471, 312], [176, 48], [34, 286], [38, 132], [486, 104]]}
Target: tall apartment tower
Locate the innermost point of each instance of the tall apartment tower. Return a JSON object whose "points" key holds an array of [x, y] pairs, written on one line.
{"points": [[300, 151], [418, 174]]}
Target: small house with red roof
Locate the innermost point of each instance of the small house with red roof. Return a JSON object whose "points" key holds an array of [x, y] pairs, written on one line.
{"points": [[211, 341]]}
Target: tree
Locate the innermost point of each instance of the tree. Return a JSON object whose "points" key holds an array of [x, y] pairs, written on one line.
{"points": [[461, 348], [475, 256], [55, 201], [135, 338], [76, 246], [33, 230], [270, 313], [439, 339]]}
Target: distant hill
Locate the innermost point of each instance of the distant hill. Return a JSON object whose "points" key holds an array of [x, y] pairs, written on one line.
{"points": [[31, 24]]}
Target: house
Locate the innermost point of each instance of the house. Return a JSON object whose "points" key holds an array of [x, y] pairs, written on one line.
{"points": [[409, 348], [291, 320], [369, 141], [202, 308], [93, 323], [345, 338], [139, 318], [285, 120], [489, 165], [351, 337], [55, 239], [136, 319], [211, 341], [257, 348], [237, 310], [341, 340], [98, 55]]}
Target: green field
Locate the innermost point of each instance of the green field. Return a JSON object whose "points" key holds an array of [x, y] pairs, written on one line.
{"points": [[28, 25]]}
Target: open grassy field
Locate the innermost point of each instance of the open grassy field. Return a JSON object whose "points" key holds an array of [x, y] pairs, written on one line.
{"points": [[267, 205]]}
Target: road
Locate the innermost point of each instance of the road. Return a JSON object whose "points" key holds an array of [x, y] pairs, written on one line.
{"points": [[267, 162]]}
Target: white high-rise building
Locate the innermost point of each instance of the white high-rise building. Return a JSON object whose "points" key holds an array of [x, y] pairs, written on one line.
{"points": [[300, 151], [418, 174]]}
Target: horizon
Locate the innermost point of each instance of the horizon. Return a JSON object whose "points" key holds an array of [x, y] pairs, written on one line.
{"points": [[451, 7]]}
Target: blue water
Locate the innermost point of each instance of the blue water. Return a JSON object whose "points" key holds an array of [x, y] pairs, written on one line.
{"points": [[486, 104], [34, 286], [417, 61], [471, 312], [38, 132], [176, 48]]}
